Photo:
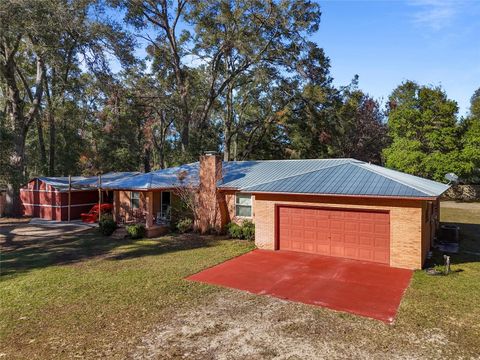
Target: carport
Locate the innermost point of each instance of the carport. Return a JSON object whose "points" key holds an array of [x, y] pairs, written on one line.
{"points": [[359, 287]]}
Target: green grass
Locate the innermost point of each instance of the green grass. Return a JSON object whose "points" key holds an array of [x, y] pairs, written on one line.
{"points": [[79, 293], [450, 303], [91, 297]]}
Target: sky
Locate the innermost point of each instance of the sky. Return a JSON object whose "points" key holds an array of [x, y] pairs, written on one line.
{"points": [[385, 42], [433, 42]]}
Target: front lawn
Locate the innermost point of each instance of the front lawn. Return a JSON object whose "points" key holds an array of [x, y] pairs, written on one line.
{"points": [[90, 297]]}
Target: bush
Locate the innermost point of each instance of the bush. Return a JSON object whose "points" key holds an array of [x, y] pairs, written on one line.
{"points": [[234, 230], [248, 230], [185, 225], [136, 231], [107, 225], [244, 231]]}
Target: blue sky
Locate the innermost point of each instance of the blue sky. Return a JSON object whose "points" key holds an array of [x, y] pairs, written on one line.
{"points": [[433, 42]]}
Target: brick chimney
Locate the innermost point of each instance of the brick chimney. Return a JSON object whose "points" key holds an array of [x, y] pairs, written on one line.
{"points": [[212, 206]]}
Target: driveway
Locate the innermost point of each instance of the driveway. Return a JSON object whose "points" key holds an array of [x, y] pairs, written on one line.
{"points": [[362, 288], [19, 232]]}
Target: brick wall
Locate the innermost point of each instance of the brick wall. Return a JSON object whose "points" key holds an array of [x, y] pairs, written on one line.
{"points": [[406, 222], [212, 206], [122, 206], [230, 198]]}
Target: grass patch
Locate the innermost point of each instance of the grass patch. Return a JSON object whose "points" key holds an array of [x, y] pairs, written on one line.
{"points": [[91, 296], [450, 303]]}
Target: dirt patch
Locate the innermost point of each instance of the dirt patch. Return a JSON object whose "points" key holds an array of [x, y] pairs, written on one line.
{"points": [[238, 325]]}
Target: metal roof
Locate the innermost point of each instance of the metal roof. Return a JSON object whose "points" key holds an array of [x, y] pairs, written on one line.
{"points": [[315, 176], [345, 179], [160, 179], [241, 174], [84, 182], [92, 181]]}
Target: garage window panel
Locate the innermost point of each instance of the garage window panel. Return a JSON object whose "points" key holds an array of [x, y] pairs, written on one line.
{"points": [[243, 205]]}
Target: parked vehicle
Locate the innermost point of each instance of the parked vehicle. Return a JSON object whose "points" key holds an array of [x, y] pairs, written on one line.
{"points": [[92, 215]]}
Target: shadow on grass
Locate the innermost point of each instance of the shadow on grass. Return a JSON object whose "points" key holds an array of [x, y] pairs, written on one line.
{"points": [[70, 249]]}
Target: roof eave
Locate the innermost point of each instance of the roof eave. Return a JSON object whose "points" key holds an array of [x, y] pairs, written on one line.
{"points": [[345, 195]]}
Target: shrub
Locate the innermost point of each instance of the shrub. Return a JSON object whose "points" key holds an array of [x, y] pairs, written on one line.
{"points": [[185, 225], [248, 230], [136, 231], [107, 225], [234, 230], [244, 231]]}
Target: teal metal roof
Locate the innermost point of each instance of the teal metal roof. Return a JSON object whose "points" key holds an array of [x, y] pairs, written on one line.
{"points": [[315, 176]]}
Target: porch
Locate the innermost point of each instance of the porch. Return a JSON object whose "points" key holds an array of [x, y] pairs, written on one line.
{"points": [[151, 208]]}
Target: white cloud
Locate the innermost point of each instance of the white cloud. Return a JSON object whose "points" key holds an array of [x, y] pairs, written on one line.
{"points": [[436, 14]]}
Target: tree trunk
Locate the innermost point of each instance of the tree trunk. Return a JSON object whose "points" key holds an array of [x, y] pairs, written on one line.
{"points": [[227, 128], [146, 160], [41, 143], [53, 137], [21, 123], [184, 137], [17, 175]]}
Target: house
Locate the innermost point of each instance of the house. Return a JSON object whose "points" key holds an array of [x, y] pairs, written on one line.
{"points": [[48, 197], [337, 207]]}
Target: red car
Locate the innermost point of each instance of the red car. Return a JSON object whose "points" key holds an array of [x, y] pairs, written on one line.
{"points": [[92, 215]]}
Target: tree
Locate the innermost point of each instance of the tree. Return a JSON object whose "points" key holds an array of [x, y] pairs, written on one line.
{"points": [[311, 123], [363, 131], [471, 141], [41, 46], [230, 39], [422, 123], [22, 40]]}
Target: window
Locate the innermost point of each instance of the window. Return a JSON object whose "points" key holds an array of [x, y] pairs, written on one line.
{"points": [[134, 199], [243, 205]]}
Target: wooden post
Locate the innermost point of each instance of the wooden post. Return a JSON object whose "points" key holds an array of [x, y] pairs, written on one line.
{"points": [[69, 196], [99, 197], [149, 217]]}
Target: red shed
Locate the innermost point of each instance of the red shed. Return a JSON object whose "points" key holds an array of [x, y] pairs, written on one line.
{"points": [[47, 197]]}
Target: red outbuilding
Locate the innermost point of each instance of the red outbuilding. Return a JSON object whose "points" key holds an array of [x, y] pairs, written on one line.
{"points": [[48, 197]]}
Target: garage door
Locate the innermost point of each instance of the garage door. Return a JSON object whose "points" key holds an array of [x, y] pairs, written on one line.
{"points": [[360, 235]]}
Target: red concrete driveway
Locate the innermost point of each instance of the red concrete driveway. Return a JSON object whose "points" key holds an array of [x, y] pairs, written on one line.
{"points": [[363, 288]]}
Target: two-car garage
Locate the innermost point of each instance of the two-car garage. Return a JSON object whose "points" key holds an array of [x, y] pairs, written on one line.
{"points": [[393, 232], [341, 208], [347, 233]]}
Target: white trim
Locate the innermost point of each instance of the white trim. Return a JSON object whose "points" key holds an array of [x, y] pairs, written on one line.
{"points": [[59, 206], [40, 191], [59, 191]]}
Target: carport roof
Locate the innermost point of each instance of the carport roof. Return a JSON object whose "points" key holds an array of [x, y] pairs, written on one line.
{"points": [[84, 182], [315, 176]]}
